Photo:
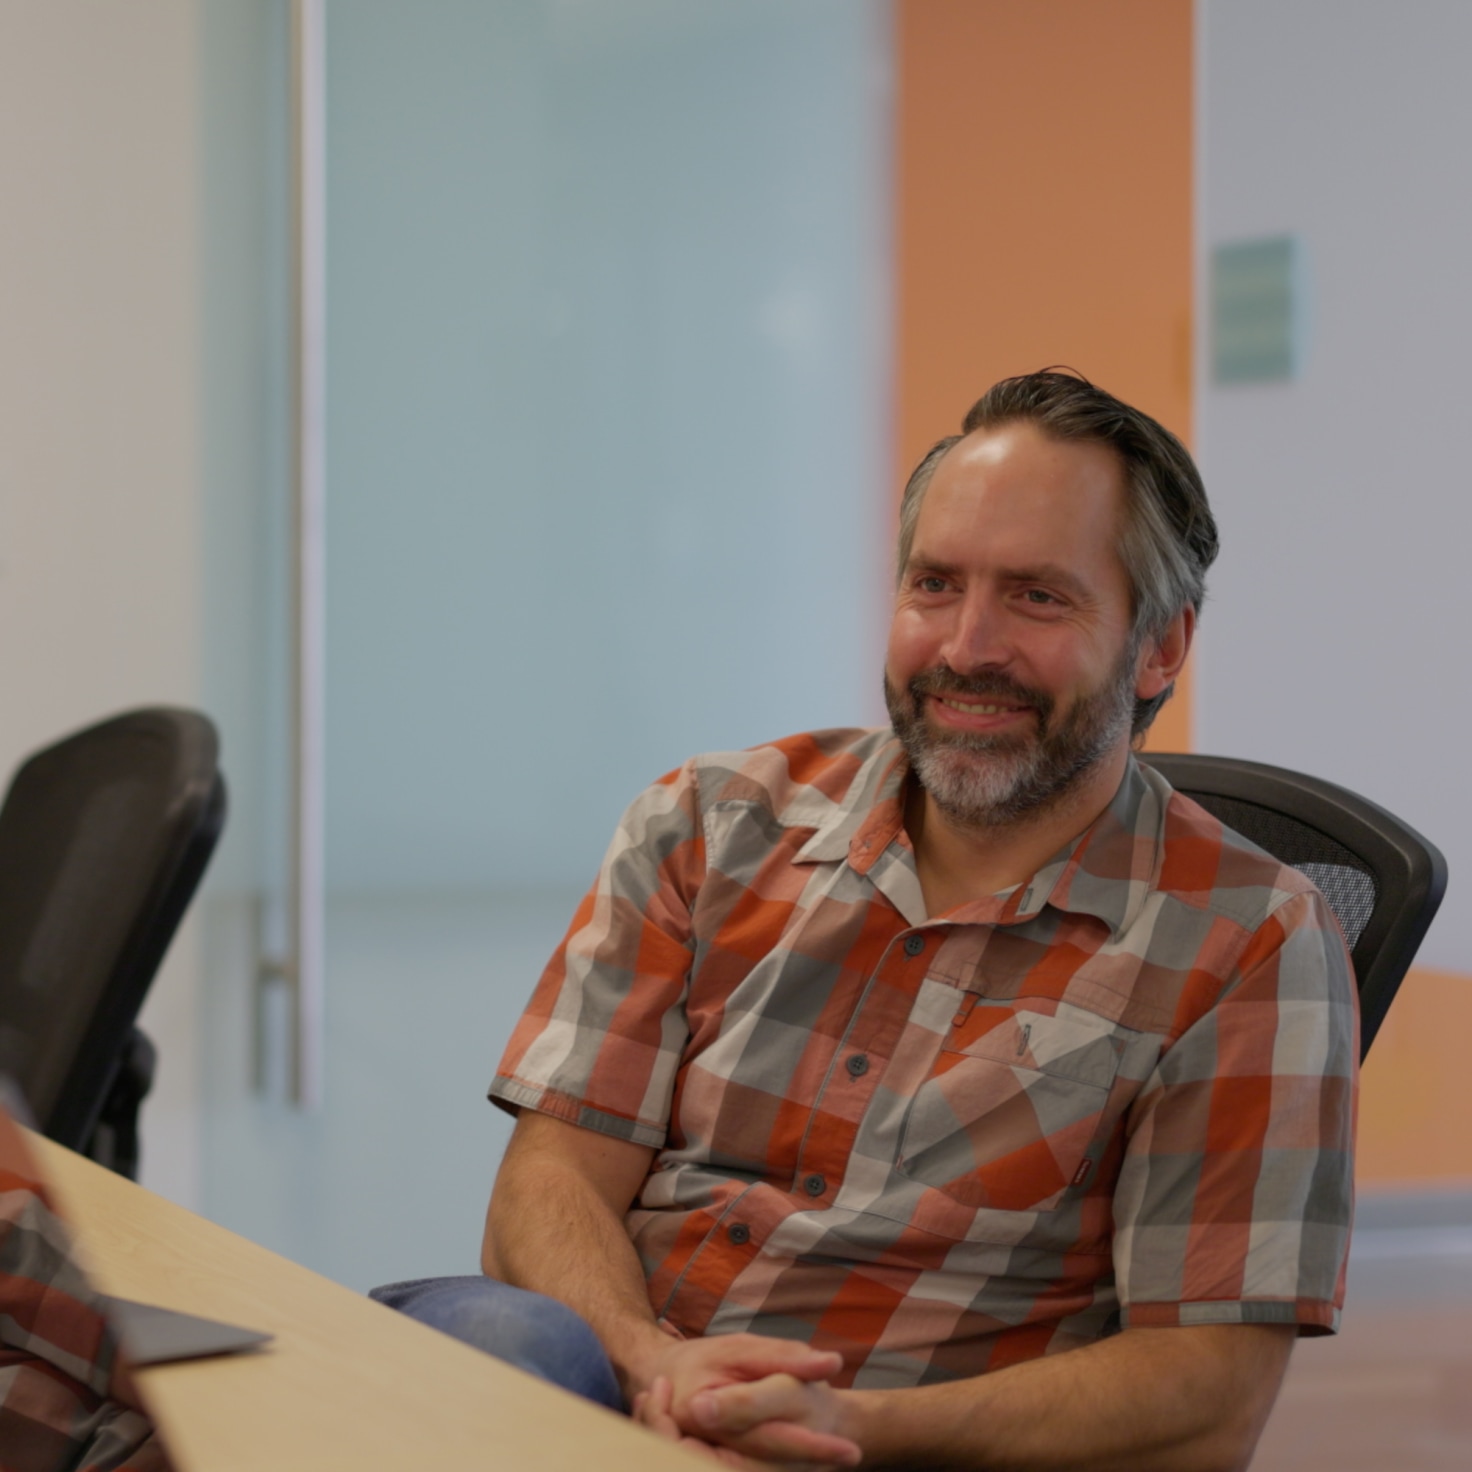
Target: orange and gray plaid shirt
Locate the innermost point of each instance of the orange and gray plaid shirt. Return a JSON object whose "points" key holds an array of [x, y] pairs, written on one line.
{"points": [[1120, 1094], [58, 1354]]}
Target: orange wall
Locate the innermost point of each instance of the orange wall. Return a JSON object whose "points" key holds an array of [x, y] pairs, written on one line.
{"points": [[1044, 215], [1043, 157], [1416, 1089]]}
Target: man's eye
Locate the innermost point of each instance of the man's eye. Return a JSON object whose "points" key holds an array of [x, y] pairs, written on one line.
{"points": [[932, 584], [1039, 596]]}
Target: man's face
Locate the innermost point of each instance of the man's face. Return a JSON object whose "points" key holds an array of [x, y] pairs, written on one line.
{"points": [[1011, 674]]}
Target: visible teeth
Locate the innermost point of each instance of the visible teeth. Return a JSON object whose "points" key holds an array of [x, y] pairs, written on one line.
{"points": [[975, 710]]}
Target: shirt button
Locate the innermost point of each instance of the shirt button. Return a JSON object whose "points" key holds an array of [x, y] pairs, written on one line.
{"points": [[858, 1065], [815, 1185], [914, 944], [739, 1233]]}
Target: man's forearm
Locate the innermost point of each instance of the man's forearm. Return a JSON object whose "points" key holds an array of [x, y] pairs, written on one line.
{"points": [[1148, 1400], [555, 1225], [550, 1230]]}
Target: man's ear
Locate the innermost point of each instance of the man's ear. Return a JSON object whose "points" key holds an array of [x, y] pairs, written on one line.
{"points": [[1161, 659]]}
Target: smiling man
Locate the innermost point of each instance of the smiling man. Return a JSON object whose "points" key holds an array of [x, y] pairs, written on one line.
{"points": [[955, 1095]]}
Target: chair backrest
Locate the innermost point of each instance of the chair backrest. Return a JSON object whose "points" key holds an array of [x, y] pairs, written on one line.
{"points": [[1383, 881], [103, 839]]}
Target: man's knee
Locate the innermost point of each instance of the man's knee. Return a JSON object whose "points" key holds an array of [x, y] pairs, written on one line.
{"points": [[528, 1330]]}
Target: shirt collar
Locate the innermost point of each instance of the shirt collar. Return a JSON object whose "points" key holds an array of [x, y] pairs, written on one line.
{"points": [[870, 815], [1110, 869], [1107, 871]]}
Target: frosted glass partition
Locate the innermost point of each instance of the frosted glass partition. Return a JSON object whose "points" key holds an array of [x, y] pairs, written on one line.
{"points": [[607, 445], [606, 409]]}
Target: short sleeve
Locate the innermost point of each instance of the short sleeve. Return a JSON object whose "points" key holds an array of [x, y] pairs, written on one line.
{"points": [[1235, 1198], [602, 1038]]}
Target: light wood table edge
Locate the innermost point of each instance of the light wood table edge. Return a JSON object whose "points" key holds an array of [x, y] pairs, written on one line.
{"points": [[346, 1383]]}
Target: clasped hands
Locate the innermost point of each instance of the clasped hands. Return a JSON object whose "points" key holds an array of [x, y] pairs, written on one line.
{"points": [[750, 1401]]}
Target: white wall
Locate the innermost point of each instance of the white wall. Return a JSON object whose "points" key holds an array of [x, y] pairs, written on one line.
{"points": [[1335, 641], [99, 596]]}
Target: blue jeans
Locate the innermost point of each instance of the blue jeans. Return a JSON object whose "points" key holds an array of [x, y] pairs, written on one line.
{"points": [[533, 1333]]}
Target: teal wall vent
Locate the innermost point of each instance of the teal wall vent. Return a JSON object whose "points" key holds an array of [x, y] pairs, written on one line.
{"points": [[1257, 310]]}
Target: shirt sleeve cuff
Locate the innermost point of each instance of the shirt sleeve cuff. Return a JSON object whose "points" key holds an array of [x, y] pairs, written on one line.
{"points": [[1313, 1316], [513, 1095]]}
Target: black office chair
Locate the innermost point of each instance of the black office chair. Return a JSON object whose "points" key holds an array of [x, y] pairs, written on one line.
{"points": [[103, 839], [1383, 881]]}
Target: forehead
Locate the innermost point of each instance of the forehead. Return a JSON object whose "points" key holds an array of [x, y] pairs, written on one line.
{"points": [[1012, 495]]}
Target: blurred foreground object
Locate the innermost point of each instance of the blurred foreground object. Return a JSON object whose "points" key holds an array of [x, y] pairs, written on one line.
{"points": [[65, 1401]]}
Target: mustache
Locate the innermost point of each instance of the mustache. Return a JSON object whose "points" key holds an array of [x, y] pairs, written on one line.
{"points": [[942, 681]]}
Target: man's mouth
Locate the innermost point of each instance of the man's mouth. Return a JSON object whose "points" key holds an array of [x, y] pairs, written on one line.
{"points": [[970, 708]]}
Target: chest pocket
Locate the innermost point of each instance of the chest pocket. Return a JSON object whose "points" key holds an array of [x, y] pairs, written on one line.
{"points": [[1015, 1098]]}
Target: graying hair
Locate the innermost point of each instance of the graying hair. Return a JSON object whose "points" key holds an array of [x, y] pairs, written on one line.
{"points": [[1169, 537]]}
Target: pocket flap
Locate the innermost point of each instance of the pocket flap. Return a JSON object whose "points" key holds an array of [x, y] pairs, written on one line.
{"points": [[1068, 1043]]}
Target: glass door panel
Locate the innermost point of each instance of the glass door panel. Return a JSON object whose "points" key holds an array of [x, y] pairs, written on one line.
{"points": [[606, 463]]}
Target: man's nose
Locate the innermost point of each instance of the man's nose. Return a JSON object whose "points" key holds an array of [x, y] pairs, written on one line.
{"points": [[978, 639]]}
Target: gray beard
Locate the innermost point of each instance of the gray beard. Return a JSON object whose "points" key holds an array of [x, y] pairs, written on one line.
{"points": [[999, 781]]}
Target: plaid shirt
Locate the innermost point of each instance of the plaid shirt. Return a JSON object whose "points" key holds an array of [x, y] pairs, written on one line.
{"points": [[58, 1354], [1121, 1093]]}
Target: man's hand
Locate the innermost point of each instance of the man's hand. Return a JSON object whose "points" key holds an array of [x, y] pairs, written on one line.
{"points": [[785, 1443], [778, 1419], [1147, 1400], [651, 1408], [761, 1397]]}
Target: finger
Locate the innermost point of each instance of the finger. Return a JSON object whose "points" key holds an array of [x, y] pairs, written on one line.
{"points": [[723, 1454], [790, 1441], [786, 1441], [652, 1409], [663, 1427], [766, 1418], [822, 1367], [734, 1409], [803, 1362], [750, 1356]]}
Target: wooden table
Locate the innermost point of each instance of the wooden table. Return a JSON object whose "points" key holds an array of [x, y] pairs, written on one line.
{"points": [[347, 1383]]}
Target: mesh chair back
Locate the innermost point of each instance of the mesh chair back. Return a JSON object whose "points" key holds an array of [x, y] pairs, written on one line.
{"points": [[1382, 879], [103, 839]]}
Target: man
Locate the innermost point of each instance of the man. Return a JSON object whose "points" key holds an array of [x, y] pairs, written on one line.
{"points": [[956, 1096]]}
